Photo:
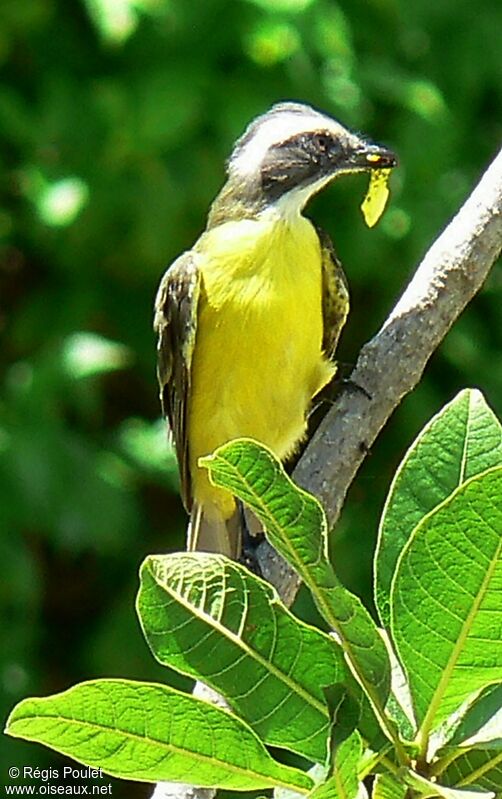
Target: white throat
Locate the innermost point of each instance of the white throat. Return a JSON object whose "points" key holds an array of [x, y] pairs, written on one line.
{"points": [[291, 204]]}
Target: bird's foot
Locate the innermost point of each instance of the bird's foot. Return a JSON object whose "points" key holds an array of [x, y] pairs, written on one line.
{"points": [[346, 384], [250, 543]]}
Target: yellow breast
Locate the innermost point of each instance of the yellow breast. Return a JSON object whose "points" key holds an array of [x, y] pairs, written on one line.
{"points": [[258, 356]]}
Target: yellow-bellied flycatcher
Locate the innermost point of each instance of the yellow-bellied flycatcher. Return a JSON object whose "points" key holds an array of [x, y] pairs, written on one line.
{"points": [[248, 319]]}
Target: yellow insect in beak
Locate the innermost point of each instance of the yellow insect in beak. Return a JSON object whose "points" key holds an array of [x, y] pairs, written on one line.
{"points": [[376, 197]]}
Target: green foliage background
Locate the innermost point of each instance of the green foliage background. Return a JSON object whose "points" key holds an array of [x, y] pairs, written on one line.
{"points": [[115, 120]]}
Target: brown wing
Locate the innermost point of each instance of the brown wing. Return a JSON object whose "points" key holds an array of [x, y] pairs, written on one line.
{"points": [[175, 324], [335, 295]]}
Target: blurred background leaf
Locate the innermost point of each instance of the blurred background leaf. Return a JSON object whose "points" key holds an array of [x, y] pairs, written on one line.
{"points": [[115, 120]]}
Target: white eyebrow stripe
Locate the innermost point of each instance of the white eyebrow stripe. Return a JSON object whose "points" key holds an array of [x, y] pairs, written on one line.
{"points": [[278, 127]]}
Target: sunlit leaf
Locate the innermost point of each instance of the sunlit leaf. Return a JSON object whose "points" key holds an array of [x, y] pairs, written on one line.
{"points": [[269, 666], [318, 773], [431, 788], [343, 782], [399, 705], [482, 720], [462, 440], [388, 786], [151, 733], [445, 601], [296, 525]]}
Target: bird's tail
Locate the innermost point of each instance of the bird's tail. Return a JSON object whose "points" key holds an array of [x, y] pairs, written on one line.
{"points": [[208, 531]]}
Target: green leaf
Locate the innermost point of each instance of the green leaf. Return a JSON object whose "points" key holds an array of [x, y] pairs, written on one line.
{"points": [[426, 788], [399, 705], [152, 733], [318, 773], [388, 786], [343, 782], [296, 526], [445, 605], [269, 666], [479, 767], [463, 440], [482, 720], [478, 720]]}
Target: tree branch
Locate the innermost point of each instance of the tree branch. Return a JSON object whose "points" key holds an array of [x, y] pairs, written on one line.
{"points": [[389, 367], [391, 364]]}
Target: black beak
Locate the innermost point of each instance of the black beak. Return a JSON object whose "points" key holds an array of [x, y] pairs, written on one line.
{"points": [[372, 156]]}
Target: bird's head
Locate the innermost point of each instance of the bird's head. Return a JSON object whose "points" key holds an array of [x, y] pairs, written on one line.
{"points": [[288, 154]]}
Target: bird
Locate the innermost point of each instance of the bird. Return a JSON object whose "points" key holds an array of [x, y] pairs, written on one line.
{"points": [[248, 320]]}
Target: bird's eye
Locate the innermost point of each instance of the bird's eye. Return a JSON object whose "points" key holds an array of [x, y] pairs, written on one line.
{"points": [[323, 141]]}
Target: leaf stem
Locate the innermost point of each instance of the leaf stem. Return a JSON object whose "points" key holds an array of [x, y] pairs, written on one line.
{"points": [[379, 758], [442, 763], [422, 738], [379, 711]]}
